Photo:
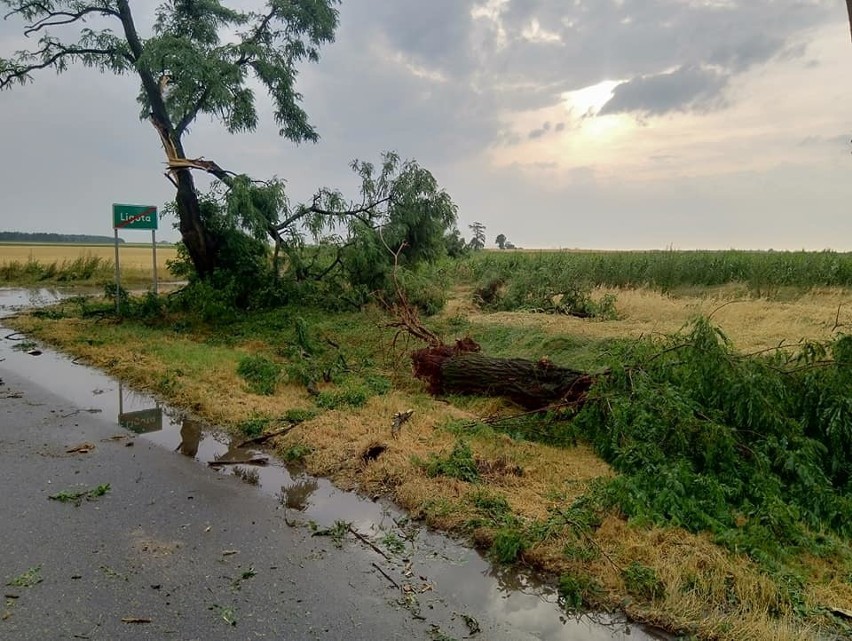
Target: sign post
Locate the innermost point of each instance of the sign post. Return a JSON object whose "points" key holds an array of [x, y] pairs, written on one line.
{"points": [[134, 217]]}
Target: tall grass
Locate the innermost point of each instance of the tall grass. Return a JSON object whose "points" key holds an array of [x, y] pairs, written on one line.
{"points": [[81, 269], [762, 271]]}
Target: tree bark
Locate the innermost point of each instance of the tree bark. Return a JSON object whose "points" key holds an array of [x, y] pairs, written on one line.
{"points": [[461, 369], [200, 243]]}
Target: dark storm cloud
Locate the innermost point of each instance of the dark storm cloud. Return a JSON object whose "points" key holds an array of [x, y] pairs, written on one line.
{"points": [[681, 90], [600, 39], [431, 80]]}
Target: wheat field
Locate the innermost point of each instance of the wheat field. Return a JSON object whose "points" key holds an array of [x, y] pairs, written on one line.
{"points": [[130, 256]]}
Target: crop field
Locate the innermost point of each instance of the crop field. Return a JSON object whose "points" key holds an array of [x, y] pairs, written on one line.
{"points": [[763, 272], [25, 263]]}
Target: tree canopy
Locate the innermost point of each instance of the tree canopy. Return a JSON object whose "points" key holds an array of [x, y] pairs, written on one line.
{"points": [[207, 57]]}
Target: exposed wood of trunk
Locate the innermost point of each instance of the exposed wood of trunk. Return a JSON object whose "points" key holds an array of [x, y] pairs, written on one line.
{"points": [[460, 369], [200, 243]]}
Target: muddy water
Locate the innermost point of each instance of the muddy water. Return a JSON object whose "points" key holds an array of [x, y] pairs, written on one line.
{"points": [[452, 577]]}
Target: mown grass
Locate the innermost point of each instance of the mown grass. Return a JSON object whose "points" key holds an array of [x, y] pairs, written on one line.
{"points": [[620, 534]]}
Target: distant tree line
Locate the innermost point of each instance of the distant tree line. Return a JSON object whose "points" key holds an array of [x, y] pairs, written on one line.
{"points": [[45, 237]]}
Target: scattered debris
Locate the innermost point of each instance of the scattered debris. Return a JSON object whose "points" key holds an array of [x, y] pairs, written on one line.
{"points": [[245, 576], [366, 541], [90, 410], [82, 448], [77, 498], [116, 437], [228, 615], [399, 419], [27, 579], [108, 571], [471, 623], [387, 576], [337, 532]]}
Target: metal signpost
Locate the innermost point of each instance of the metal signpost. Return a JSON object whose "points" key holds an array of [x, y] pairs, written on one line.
{"points": [[134, 217]]}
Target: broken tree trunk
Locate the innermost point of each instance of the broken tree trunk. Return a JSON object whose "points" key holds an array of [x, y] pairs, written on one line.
{"points": [[461, 369]]}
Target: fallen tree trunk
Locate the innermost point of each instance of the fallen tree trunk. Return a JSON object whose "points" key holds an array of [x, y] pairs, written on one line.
{"points": [[461, 369]]}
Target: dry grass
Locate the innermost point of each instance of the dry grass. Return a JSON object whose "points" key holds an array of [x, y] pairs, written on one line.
{"points": [[136, 258], [751, 323], [708, 591]]}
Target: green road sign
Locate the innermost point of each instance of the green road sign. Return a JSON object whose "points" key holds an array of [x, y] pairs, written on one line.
{"points": [[134, 216], [142, 421]]}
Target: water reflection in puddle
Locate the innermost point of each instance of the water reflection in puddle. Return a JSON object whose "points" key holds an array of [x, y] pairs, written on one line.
{"points": [[514, 605]]}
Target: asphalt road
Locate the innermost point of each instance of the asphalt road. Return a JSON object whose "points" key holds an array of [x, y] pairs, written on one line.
{"points": [[171, 551]]}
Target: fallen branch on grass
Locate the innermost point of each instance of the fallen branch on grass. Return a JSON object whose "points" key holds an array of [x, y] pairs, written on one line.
{"points": [[257, 440]]}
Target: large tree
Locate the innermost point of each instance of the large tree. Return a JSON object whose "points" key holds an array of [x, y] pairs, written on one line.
{"points": [[185, 69]]}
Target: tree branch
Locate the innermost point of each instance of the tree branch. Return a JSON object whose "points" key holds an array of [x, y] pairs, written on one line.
{"points": [[19, 73], [190, 115], [261, 27], [56, 18], [315, 209]]}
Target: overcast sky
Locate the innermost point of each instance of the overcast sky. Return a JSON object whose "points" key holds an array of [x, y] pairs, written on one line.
{"points": [[559, 123]]}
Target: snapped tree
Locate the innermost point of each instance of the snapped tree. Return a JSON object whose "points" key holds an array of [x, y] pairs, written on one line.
{"points": [[187, 69]]}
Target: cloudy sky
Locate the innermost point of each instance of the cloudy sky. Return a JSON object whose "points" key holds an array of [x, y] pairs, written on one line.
{"points": [[560, 123]]}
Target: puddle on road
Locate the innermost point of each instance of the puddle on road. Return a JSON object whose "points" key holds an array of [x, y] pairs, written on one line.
{"points": [[513, 605]]}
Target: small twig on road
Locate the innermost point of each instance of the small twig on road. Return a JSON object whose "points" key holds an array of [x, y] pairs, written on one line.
{"points": [[387, 576], [367, 541]]}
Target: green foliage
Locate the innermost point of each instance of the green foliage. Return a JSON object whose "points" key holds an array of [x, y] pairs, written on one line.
{"points": [[27, 579], [77, 497], [575, 590], [393, 543], [296, 453], [643, 582], [337, 532], [352, 395], [254, 426], [260, 373], [298, 415], [754, 449], [458, 464], [543, 291], [493, 507], [508, 545]]}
